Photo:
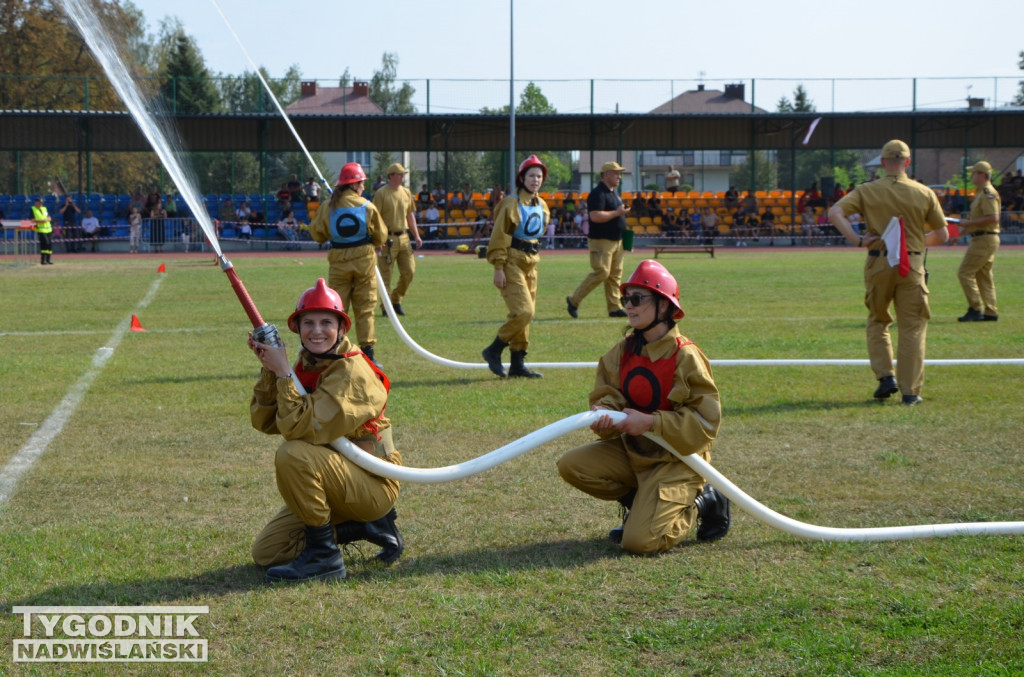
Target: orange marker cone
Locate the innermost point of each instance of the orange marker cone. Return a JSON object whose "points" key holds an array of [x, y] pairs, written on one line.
{"points": [[135, 324], [162, 269]]}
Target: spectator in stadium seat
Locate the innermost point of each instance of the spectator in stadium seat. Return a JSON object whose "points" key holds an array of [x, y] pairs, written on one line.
{"points": [[639, 206], [311, 190], [424, 198], [439, 196], [157, 223], [134, 230], [287, 229], [496, 196], [171, 206], [670, 225], [654, 206], [90, 229], [154, 198], [749, 205], [284, 198], [69, 212], [295, 190], [244, 213], [732, 199], [838, 193]]}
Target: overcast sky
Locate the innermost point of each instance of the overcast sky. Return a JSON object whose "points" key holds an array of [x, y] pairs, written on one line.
{"points": [[781, 44]]}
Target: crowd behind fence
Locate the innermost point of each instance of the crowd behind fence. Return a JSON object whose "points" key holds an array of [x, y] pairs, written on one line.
{"points": [[665, 218]]}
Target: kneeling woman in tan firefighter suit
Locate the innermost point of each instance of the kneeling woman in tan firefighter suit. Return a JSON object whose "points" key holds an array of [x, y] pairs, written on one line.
{"points": [[355, 230], [515, 252], [662, 382], [323, 492]]}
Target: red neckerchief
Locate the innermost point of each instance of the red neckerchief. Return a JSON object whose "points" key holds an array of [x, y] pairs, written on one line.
{"points": [[310, 378]]}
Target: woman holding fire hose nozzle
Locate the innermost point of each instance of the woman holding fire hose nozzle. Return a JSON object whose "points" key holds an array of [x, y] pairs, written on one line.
{"points": [[323, 492]]}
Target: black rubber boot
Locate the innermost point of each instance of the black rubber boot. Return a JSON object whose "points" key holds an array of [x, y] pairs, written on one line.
{"points": [[398, 309], [886, 386], [615, 535], [492, 355], [712, 514], [320, 559], [384, 533], [368, 351], [518, 366]]}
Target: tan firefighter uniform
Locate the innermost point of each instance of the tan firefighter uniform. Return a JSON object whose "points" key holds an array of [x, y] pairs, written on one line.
{"points": [[398, 208], [515, 249], [317, 483], [878, 202], [975, 271], [687, 414], [352, 271]]}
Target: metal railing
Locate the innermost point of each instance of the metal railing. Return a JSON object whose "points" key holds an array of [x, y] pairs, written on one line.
{"points": [[593, 96]]}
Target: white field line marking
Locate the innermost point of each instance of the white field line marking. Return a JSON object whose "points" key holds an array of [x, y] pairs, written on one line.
{"points": [[36, 445]]}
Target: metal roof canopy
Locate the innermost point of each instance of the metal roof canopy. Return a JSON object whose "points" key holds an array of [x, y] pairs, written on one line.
{"points": [[117, 131]]}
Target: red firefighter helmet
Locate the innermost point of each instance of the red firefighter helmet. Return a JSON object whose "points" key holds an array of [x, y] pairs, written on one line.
{"points": [[652, 275], [352, 172], [321, 297], [532, 161]]}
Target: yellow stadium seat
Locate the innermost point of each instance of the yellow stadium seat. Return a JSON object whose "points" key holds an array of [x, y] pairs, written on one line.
{"points": [[632, 222], [465, 231], [646, 221]]}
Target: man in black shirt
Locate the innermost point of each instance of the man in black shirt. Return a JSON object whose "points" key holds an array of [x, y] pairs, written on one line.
{"points": [[607, 225]]}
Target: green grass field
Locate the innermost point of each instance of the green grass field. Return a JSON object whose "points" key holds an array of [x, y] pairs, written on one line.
{"points": [[153, 490]]}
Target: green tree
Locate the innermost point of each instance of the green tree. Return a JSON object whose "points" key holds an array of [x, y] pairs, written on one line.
{"points": [[53, 69], [246, 94], [801, 102], [532, 101], [187, 87], [385, 93], [765, 177]]}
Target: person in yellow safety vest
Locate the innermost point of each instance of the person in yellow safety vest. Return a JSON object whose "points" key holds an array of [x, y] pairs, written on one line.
{"points": [[44, 230]]}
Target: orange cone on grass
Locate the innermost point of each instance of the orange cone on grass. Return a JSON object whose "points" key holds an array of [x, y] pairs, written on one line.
{"points": [[136, 326], [162, 269]]}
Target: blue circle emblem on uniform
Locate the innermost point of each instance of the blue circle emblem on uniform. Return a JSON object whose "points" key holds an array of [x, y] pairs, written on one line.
{"points": [[347, 225], [533, 226]]}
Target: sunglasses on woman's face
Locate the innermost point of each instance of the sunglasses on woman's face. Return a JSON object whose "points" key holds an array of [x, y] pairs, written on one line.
{"points": [[635, 299]]}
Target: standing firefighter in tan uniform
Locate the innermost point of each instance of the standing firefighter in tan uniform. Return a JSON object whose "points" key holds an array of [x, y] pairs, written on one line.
{"points": [[323, 492], [354, 229], [911, 212], [663, 383], [397, 206], [982, 225], [514, 251], [607, 214]]}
